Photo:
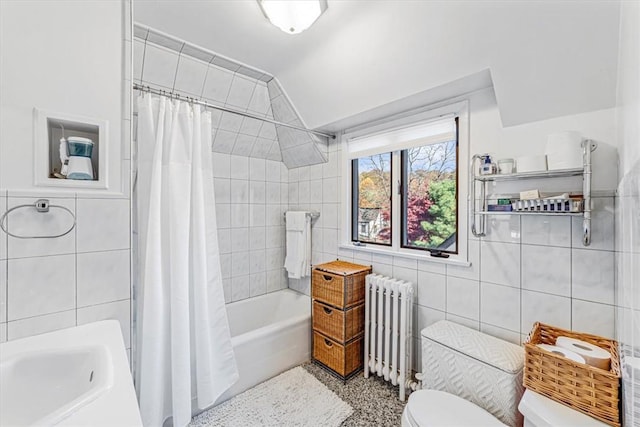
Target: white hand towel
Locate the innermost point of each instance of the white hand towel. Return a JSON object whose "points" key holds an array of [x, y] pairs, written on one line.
{"points": [[298, 234]]}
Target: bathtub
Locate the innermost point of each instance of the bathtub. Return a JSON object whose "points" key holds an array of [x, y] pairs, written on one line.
{"points": [[270, 334]]}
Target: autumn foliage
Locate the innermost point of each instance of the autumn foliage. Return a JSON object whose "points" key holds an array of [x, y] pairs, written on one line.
{"points": [[430, 199]]}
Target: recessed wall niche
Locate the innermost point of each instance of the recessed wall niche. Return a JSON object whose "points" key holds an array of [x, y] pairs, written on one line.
{"points": [[84, 145]]}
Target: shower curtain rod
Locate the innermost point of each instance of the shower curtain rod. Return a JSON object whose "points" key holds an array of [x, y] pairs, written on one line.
{"points": [[175, 95]]}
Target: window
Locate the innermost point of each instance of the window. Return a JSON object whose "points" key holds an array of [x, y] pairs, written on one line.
{"points": [[408, 185], [430, 197], [371, 190]]}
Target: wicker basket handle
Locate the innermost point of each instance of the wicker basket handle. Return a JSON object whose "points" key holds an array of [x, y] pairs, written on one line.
{"points": [[328, 343], [327, 310], [327, 278]]}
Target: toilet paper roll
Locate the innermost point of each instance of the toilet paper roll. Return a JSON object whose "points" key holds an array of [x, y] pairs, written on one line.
{"points": [[564, 150], [592, 354], [562, 352]]}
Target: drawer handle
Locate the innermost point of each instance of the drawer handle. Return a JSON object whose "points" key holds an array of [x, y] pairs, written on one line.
{"points": [[327, 278], [327, 310], [328, 343]]}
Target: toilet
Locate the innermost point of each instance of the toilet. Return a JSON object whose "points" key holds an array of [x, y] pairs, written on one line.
{"points": [[473, 379], [427, 408], [469, 379]]}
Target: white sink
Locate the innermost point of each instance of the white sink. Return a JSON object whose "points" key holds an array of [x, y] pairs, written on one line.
{"points": [[77, 376], [44, 387]]}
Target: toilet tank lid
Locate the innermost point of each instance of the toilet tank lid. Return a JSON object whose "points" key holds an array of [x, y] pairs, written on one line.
{"points": [[544, 412], [493, 351]]}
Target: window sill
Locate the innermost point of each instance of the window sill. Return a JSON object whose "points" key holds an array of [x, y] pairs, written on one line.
{"points": [[419, 257]]}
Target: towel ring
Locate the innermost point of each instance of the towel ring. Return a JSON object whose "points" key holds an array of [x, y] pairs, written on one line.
{"points": [[42, 206]]}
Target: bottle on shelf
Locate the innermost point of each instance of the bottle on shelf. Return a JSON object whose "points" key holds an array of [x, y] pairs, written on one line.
{"points": [[487, 167]]}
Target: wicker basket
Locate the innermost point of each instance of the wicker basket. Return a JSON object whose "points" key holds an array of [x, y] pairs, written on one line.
{"points": [[590, 390], [339, 283], [337, 324], [343, 359]]}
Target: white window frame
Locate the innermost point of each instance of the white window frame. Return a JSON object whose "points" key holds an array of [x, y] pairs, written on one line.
{"points": [[458, 109]]}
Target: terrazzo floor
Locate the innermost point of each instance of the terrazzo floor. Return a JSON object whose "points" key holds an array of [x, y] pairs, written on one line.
{"points": [[374, 401]]}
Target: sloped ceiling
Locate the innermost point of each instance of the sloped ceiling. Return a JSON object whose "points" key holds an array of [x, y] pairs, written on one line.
{"points": [[167, 63], [298, 148], [547, 58]]}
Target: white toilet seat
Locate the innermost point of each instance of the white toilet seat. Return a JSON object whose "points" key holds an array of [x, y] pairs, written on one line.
{"points": [[427, 408]]}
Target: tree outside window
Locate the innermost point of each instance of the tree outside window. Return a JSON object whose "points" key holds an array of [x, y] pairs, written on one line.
{"points": [[430, 199]]}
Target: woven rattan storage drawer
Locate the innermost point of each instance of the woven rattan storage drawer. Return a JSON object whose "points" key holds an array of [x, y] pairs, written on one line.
{"points": [[339, 325], [590, 390], [337, 289], [343, 359], [339, 283]]}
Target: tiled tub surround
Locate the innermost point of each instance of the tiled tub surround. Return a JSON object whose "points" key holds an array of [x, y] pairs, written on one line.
{"points": [[49, 284], [251, 199], [161, 67], [250, 178], [163, 61]]}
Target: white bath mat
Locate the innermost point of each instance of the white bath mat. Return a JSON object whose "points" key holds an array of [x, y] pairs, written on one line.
{"points": [[294, 398]]}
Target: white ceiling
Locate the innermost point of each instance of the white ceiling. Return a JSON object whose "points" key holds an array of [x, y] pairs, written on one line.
{"points": [[546, 58]]}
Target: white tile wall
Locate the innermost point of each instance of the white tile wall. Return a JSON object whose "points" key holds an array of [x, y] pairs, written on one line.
{"points": [[593, 317], [159, 62], [102, 277], [526, 269], [102, 224], [601, 223], [40, 285], [250, 224], [241, 91], [3, 294], [190, 76], [546, 269], [546, 231], [41, 324], [593, 276], [432, 290], [118, 310], [463, 297], [3, 236], [159, 66], [29, 222], [217, 84], [546, 308], [500, 306], [500, 263], [46, 283], [627, 222]]}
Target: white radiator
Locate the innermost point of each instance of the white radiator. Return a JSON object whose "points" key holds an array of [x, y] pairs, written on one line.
{"points": [[388, 330]]}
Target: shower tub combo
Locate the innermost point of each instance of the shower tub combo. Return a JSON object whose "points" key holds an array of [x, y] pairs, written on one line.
{"points": [[269, 334]]}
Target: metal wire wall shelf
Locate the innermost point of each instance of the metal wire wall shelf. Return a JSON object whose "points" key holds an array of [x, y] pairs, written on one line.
{"points": [[559, 173], [537, 213], [479, 205]]}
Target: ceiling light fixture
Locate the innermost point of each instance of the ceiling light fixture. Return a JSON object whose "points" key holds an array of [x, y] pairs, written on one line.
{"points": [[292, 16]]}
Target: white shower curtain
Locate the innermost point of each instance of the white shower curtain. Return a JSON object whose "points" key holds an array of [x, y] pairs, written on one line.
{"points": [[184, 356]]}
